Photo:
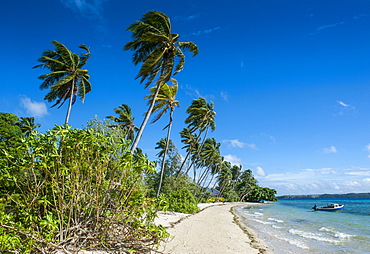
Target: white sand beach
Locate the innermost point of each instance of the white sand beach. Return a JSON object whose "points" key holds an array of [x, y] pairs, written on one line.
{"points": [[213, 230]]}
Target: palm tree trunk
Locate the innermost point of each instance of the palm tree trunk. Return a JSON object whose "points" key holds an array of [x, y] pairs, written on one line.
{"points": [[70, 102], [245, 194], [198, 152], [204, 193], [165, 153], [146, 119]]}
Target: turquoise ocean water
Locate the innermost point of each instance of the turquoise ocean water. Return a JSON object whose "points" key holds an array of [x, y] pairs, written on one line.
{"points": [[291, 226]]}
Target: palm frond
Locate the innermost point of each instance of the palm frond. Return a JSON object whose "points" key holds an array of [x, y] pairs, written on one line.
{"points": [[189, 46], [64, 53]]}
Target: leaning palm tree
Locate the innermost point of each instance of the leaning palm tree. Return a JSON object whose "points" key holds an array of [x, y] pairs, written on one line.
{"points": [[166, 100], [201, 118], [67, 80], [164, 145], [160, 53], [27, 125], [224, 177], [191, 141], [209, 156], [125, 121]]}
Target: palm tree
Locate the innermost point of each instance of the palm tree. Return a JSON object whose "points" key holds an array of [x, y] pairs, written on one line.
{"points": [[201, 115], [67, 79], [209, 156], [235, 172], [164, 145], [247, 184], [125, 120], [27, 125], [166, 100], [190, 139], [201, 118], [224, 177], [160, 53], [209, 160]]}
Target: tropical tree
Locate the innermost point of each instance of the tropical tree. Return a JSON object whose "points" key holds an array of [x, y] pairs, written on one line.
{"points": [[190, 139], [27, 125], [224, 177], [235, 172], [10, 132], [259, 193], [209, 157], [246, 184], [166, 100], [66, 80], [160, 53], [125, 121], [163, 145], [201, 118]]}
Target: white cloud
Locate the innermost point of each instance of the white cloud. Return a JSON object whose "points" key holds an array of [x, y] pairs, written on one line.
{"points": [[367, 148], [187, 18], [345, 108], [34, 108], [361, 173], [87, 8], [238, 144], [193, 92], [235, 143], [318, 181], [331, 149], [324, 27], [343, 104], [260, 172], [272, 138], [233, 159], [206, 31], [224, 96]]}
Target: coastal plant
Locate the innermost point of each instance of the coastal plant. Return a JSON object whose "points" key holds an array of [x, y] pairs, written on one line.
{"points": [[72, 189], [182, 201]]}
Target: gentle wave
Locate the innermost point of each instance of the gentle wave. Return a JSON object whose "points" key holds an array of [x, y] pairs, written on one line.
{"points": [[277, 227], [336, 234], [314, 236], [263, 222], [273, 219], [294, 242]]}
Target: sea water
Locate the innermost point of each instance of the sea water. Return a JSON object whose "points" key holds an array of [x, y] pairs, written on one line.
{"points": [[291, 226]]}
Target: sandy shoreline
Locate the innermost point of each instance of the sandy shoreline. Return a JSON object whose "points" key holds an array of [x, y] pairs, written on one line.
{"points": [[216, 229]]}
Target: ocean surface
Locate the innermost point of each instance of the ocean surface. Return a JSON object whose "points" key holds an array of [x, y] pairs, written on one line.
{"points": [[291, 226]]}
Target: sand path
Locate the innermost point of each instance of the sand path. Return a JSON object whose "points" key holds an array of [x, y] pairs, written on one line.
{"points": [[213, 230]]}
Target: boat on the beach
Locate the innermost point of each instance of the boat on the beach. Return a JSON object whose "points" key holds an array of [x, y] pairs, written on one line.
{"points": [[329, 207]]}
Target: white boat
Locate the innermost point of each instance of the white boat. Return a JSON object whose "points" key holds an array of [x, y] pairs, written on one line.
{"points": [[329, 207]]}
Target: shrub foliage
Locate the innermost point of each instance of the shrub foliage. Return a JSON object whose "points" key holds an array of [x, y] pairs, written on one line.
{"points": [[73, 189]]}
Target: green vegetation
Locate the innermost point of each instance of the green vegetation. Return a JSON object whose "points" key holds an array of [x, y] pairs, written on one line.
{"points": [[72, 187], [92, 188]]}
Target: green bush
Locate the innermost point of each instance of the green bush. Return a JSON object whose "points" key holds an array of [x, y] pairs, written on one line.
{"points": [[182, 201], [75, 189]]}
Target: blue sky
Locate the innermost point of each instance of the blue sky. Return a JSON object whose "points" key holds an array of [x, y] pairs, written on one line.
{"points": [[290, 79]]}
